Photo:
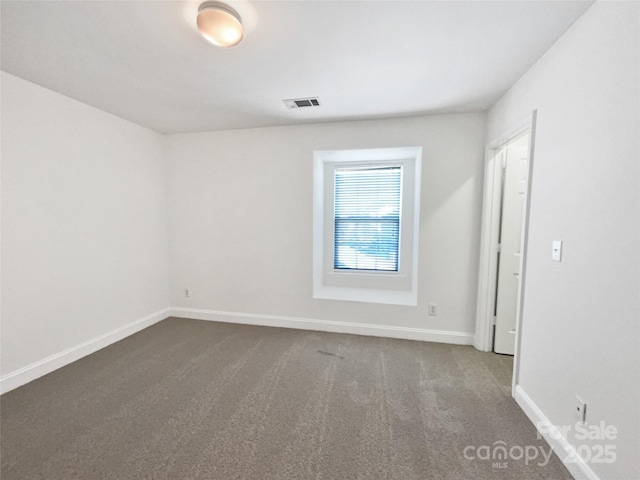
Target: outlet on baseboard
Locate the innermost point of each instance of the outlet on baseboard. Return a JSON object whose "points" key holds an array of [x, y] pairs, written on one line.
{"points": [[580, 413], [433, 309]]}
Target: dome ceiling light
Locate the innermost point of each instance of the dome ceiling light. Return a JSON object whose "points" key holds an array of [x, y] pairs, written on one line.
{"points": [[219, 24]]}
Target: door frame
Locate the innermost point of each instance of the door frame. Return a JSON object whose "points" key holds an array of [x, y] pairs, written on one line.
{"points": [[491, 216]]}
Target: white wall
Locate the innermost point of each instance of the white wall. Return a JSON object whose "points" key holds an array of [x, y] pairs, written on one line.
{"points": [[84, 241], [84, 229], [581, 324], [240, 219]]}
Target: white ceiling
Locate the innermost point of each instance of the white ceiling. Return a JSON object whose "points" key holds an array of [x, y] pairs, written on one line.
{"points": [[145, 61]]}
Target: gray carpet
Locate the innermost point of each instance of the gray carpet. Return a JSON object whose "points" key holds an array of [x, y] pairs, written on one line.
{"points": [[188, 399]]}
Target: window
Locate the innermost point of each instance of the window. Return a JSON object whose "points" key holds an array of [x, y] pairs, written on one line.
{"points": [[366, 208], [366, 219]]}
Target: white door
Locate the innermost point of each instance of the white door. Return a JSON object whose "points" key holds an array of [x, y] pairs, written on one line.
{"points": [[513, 202]]}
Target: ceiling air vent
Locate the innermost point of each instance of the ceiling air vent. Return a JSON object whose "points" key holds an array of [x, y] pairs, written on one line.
{"points": [[302, 102]]}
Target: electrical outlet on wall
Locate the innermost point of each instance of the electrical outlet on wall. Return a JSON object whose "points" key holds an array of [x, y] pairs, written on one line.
{"points": [[186, 293], [433, 309]]}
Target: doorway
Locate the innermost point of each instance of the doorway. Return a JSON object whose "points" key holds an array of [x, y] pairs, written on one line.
{"points": [[502, 273], [514, 161]]}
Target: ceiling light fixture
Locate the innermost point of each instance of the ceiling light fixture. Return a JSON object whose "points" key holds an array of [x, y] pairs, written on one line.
{"points": [[219, 24]]}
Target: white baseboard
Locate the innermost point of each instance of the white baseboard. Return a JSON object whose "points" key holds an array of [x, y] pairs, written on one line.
{"points": [[563, 449], [47, 365], [458, 338]]}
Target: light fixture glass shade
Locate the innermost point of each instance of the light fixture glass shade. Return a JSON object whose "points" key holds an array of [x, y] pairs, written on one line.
{"points": [[219, 24]]}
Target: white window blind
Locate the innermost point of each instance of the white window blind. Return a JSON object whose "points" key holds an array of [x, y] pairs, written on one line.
{"points": [[367, 206]]}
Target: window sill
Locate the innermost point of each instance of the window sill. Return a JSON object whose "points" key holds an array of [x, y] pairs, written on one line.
{"points": [[368, 295]]}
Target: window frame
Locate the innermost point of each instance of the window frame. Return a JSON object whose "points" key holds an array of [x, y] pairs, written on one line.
{"points": [[388, 287]]}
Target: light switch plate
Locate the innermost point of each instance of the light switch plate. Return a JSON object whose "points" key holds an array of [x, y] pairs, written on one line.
{"points": [[580, 413], [556, 251]]}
